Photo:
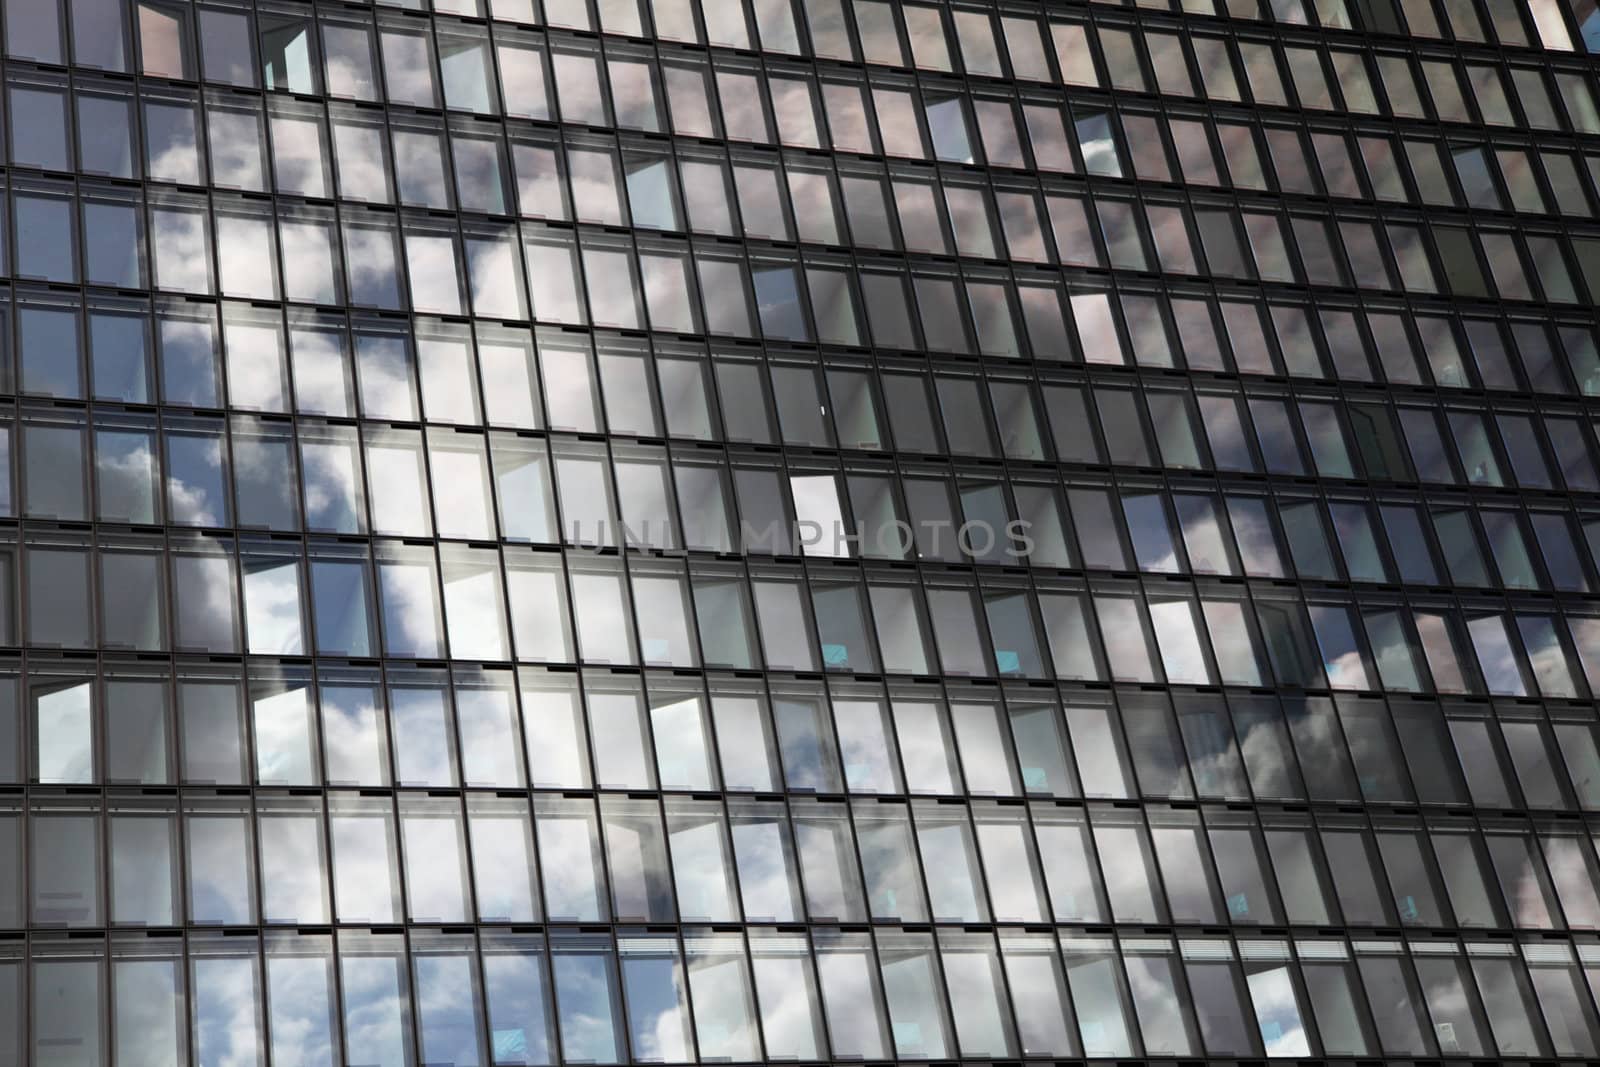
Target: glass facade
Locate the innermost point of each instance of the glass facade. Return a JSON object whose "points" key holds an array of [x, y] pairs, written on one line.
{"points": [[668, 531]]}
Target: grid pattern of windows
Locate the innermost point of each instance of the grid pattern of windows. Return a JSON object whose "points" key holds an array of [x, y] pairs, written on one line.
{"points": [[670, 531]]}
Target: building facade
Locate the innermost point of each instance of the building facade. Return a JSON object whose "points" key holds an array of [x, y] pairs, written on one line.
{"points": [[673, 531]]}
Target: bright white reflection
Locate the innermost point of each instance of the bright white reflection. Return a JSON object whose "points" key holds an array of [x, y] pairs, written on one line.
{"points": [[291, 869], [300, 995], [256, 366], [181, 250], [399, 499], [461, 493], [272, 609], [284, 745], [308, 261], [63, 721], [410, 610], [1181, 653], [1278, 1013], [434, 270], [363, 869], [433, 868], [473, 606], [246, 256], [819, 515]]}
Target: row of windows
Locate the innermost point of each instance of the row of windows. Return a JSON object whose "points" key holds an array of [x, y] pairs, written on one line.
{"points": [[1416, 86], [376, 261], [945, 124], [287, 727], [929, 515], [611, 281], [1513, 24], [765, 861], [641, 501], [1488, 176], [280, 49], [448, 373], [1305, 434], [865, 207], [1505, 25], [649, 997], [284, 49], [663, 614], [410, 165], [409, 483], [940, 126]]}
